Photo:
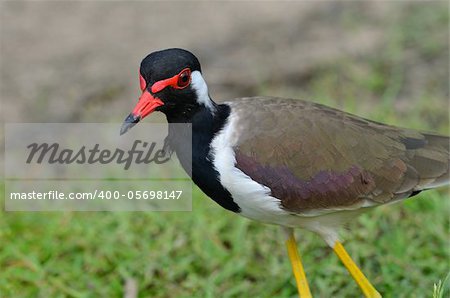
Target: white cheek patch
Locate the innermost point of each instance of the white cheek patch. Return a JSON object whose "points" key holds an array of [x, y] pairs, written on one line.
{"points": [[201, 90]]}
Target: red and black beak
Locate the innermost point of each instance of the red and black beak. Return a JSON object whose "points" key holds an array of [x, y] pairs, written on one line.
{"points": [[146, 105]]}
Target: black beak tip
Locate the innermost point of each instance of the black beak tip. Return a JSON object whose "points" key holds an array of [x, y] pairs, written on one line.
{"points": [[129, 122]]}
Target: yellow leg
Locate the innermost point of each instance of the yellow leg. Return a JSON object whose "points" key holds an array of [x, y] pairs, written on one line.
{"points": [[365, 285], [297, 267]]}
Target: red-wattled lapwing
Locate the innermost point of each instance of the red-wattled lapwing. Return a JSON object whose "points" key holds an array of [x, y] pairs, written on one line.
{"points": [[292, 163]]}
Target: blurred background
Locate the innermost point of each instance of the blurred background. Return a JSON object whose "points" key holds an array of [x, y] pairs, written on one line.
{"points": [[79, 61]]}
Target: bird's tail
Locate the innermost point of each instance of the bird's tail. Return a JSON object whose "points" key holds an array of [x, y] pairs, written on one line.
{"points": [[432, 162]]}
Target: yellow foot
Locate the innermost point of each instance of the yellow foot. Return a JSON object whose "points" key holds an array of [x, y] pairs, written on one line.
{"points": [[365, 285], [297, 267]]}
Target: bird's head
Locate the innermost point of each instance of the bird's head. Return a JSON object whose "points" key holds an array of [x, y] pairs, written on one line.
{"points": [[171, 82]]}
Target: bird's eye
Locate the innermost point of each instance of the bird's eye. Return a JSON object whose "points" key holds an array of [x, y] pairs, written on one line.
{"points": [[184, 78]]}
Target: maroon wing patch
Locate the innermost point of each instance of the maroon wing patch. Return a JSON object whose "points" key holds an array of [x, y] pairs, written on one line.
{"points": [[326, 189]]}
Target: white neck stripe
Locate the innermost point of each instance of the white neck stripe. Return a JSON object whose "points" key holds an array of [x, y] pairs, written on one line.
{"points": [[201, 90]]}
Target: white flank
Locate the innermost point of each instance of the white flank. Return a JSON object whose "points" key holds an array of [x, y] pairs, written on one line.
{"points": [[201, 89], [253, 198]]}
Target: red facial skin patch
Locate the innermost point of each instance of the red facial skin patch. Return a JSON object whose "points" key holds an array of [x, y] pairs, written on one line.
{"points": [[148, 103], [142, 82], [173, 82]]}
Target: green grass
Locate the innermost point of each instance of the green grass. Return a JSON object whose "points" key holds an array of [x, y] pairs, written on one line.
{"points": [[209, 252]]}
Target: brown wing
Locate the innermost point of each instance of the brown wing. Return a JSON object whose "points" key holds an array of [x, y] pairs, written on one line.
{"points": [[315, 157]]}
